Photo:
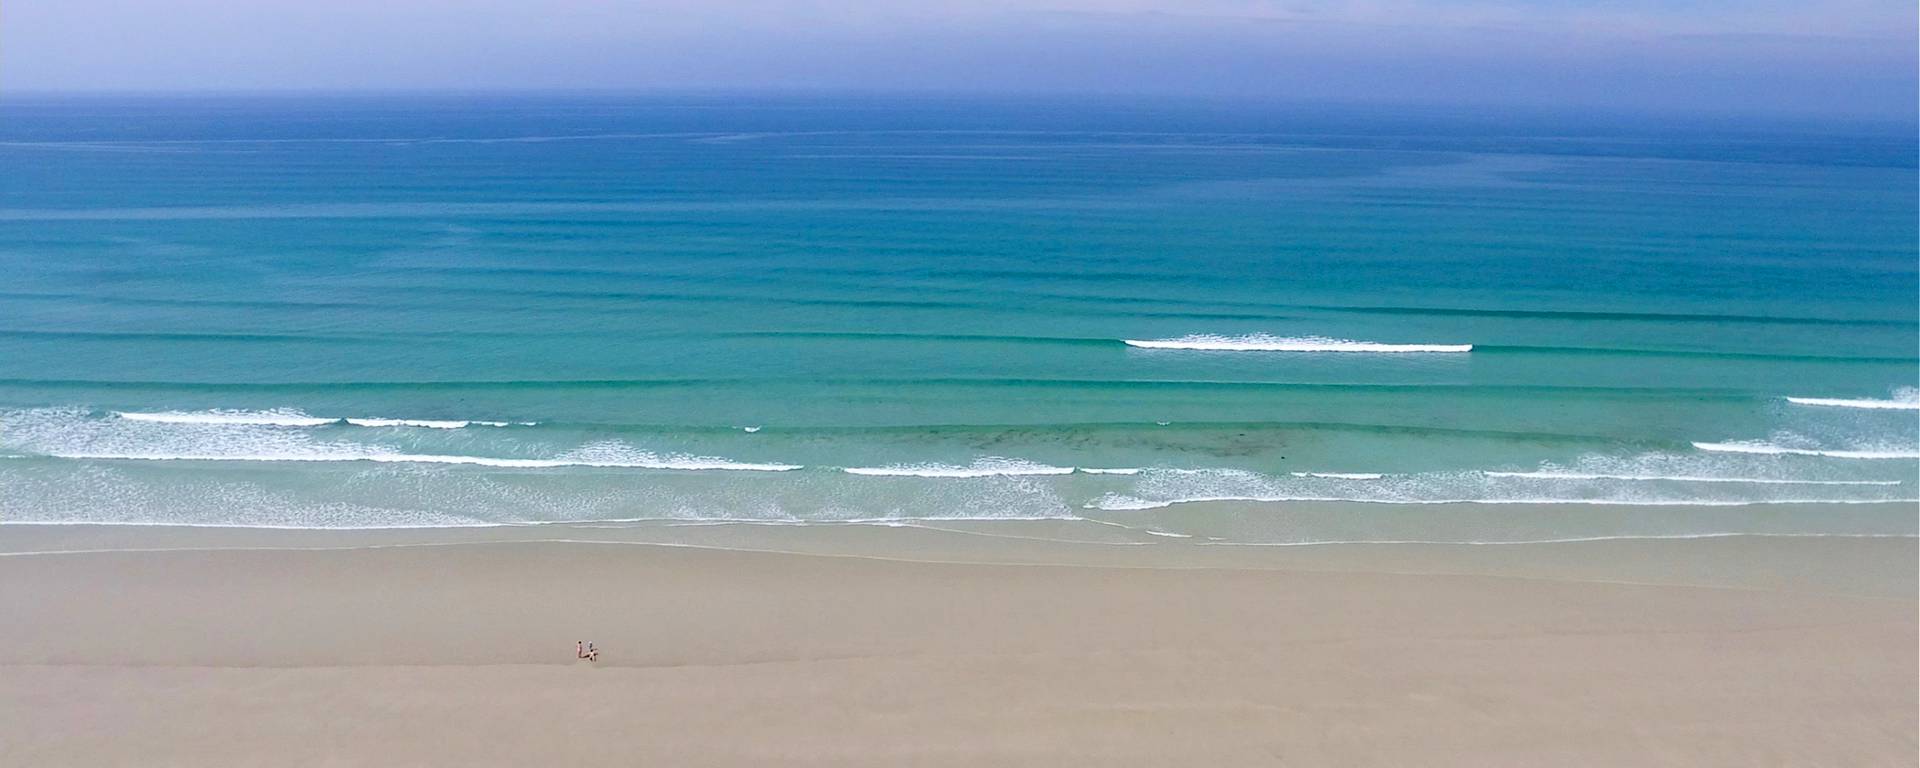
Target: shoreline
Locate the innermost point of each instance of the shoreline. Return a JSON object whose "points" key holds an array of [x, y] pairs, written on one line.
{"points": [[1871, 564]]}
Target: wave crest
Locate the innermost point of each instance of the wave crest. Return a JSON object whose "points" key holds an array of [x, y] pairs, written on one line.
{"points": [[1683, 478], [1903, 399], [637, 460], [287, 417], [225, 417], [1772, 449], [986, 467], [1261, 342]]}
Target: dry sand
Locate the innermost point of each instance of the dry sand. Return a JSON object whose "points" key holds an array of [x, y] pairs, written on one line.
{"points": [[463, 655]]}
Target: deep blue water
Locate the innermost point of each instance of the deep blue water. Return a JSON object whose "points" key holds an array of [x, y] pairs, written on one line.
{"points": [[783, 308]]}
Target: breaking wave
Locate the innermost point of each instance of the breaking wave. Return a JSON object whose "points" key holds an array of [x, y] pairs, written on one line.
{"points": [[275, 418], [987, 467], [1782, 450], [294, 418], [1261, 342], [1684, 478], [638, 460], [1116, 503], [1903, 399]]}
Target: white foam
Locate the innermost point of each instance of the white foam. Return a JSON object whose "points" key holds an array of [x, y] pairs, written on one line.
{"points": [[1118, 503], [286, 417], [1684, 478], [1781, 450], [422, 423], [962, 518], [749, 429], [1904, 399], [1110, 470], [273, 418], [1839, 403], [1157, 488], [1261, 342], [639, 460], [987, 467]]}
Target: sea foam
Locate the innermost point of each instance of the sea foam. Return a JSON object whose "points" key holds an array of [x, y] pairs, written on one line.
{"points": [[1261, 342], [1121, 503], [1158, 489], [294, 418], [1781, 450], [987, 467], [273, 418], [1904, 399], [637, 461], [1683, 478], [425, 423]]}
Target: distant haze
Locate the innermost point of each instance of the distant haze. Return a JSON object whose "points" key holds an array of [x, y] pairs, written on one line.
{"points": [[1852, 58]]}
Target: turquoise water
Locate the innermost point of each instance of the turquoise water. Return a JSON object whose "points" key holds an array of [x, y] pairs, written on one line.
{"points": [[346, 312]]}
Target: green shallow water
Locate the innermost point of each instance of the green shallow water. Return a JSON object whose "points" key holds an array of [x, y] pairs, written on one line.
{"points": [[713, 308]]}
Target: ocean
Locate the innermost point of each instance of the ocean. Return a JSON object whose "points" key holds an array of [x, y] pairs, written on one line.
{"points": [[1164, 321]]}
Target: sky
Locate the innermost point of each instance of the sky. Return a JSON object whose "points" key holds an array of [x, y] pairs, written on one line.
{"points": [[1854, 58]]}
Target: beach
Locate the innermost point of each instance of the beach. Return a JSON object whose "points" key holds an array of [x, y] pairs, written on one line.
{"points": [[238, 647], [959, 431]]}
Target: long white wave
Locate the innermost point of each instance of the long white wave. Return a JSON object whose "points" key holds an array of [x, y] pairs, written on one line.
{"points": [[293, 418], [1904, 399], [427, 423], [1683, 478], [1781, 450], [1120, 503], [635, 461], [990, 467], [1261, 342], [1340, 475], [275, 418]]}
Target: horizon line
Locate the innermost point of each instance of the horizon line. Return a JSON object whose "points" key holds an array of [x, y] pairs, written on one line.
{"points": [[1903, 119]]}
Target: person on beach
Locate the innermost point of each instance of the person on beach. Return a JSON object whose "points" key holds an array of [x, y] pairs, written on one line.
{"points": [[579, 649], [593, 654]]}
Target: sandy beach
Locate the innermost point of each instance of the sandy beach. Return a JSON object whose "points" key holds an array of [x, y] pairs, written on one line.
{"points": [[1217, 420], [456, 648]]}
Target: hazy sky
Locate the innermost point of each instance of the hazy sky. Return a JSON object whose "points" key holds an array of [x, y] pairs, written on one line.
{"points": [[1851, 57]]}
